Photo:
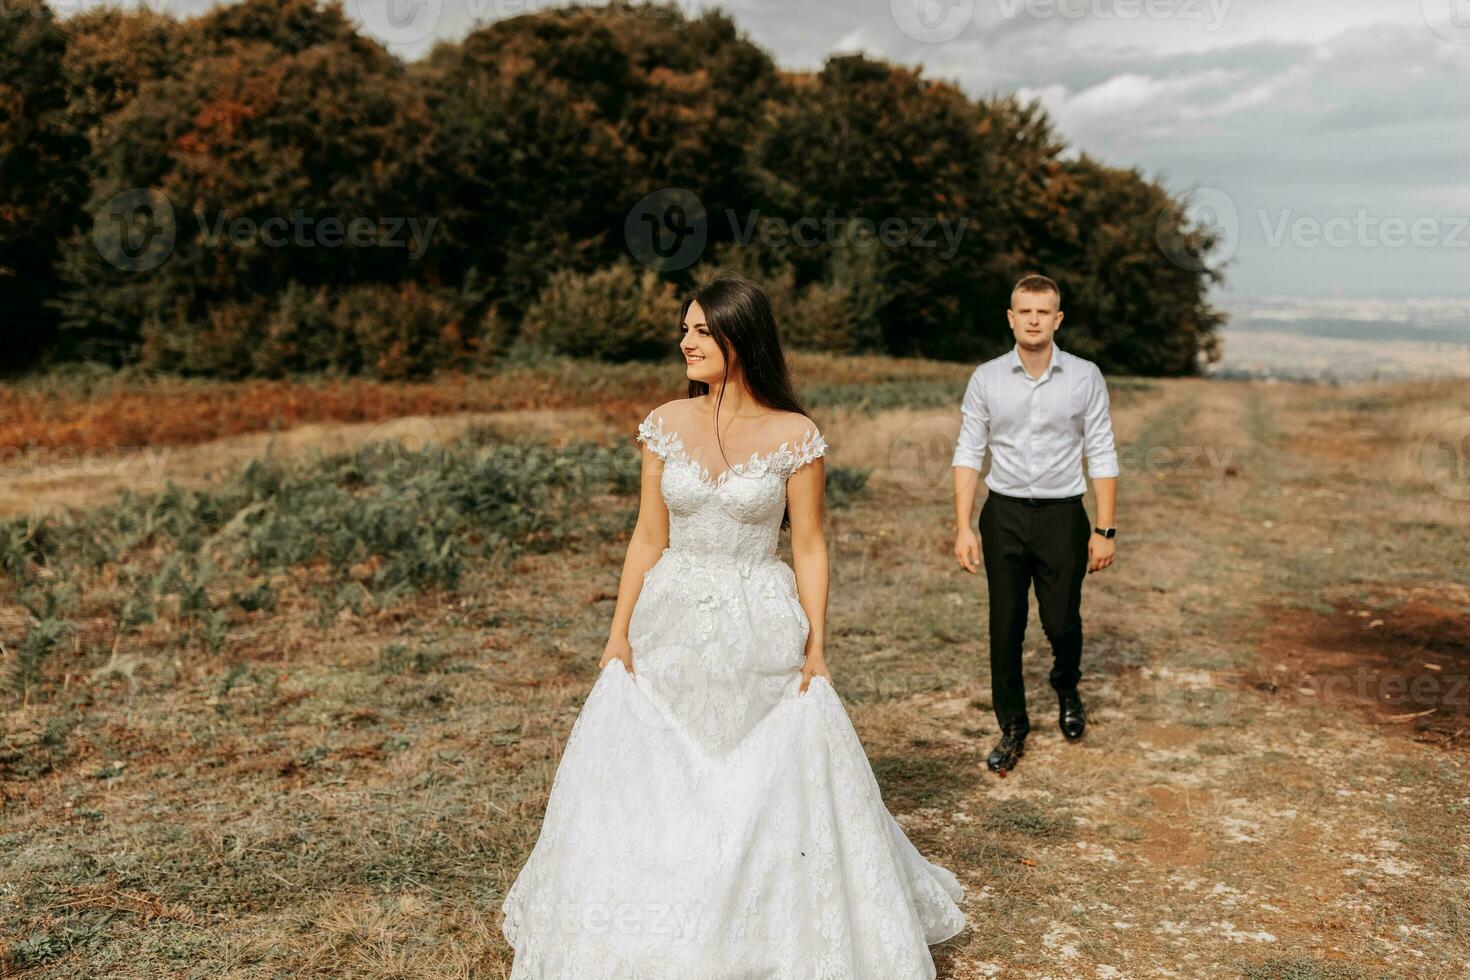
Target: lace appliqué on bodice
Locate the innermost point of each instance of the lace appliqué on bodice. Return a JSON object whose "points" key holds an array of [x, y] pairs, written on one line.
{"points": [[736, 515], [784, 460]]}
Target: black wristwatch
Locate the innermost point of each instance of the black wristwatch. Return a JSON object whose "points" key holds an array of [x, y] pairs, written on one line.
{"points": [[1107, 532]]}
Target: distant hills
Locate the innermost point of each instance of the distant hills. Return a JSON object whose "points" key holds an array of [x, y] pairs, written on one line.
{"points": [[1344, 339]]}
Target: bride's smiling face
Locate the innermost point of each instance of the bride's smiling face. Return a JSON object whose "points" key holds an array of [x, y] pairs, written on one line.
{"points": [[703, 360]]}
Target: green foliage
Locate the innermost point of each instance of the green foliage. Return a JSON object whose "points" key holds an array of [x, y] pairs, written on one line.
{"points": [[1135, 313], [259, 598], [550, 127], [28, 756], [844, 483], [393, 332], [40, 641], [40, 947], [355, 531], [278, 122], [526, 144], [841, 312], [1299, 968], [614, 314], [40, 174], [871, 141], [1026, 818], [397, 658]]}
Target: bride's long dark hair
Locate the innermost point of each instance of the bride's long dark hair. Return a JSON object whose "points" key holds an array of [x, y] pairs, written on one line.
{"points": [[740, 319]]}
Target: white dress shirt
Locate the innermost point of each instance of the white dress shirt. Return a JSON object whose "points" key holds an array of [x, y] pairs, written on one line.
{"points": [[1037, 428]]}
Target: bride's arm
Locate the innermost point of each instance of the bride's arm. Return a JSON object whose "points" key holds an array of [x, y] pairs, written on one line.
{"points": [[650, 538], [804, 505]]}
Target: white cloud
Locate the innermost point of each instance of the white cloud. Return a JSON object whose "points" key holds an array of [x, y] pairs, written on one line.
{"points": [[1318, 106], [851, 43], [1158, 107]]}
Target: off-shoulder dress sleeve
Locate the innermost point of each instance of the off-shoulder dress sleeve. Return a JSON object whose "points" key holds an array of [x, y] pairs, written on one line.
{"points": [[810, 447], [651, 431]]}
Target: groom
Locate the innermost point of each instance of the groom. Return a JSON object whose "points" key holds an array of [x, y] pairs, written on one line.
{"points": [[1039, 409]]}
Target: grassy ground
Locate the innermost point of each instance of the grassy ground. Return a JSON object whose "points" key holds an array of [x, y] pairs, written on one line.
{"points": [[82, 408], [1255, 796]]}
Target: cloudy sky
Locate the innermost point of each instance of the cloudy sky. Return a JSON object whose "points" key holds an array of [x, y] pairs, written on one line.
{"points": [[1328, 139]]}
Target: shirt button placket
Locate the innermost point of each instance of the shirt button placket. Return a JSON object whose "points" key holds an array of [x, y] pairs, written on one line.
{"points": [[1035, 424], [1030, 445]]}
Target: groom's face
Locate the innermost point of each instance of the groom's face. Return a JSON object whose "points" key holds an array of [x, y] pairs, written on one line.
{"points": [[1034, 318]]}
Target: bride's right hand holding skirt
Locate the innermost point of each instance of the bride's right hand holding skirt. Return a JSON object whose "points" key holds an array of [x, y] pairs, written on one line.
{"points": [[617, 649]]}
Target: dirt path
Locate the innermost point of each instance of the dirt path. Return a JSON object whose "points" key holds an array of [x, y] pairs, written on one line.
{"points": [[320, 805], [1208, 826]]}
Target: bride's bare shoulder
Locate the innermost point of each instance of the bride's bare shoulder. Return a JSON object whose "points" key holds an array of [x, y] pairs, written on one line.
{"points": [[675, 409], [794, 425]]}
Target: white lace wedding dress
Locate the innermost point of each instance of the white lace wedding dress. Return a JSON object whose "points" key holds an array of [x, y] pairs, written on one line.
{"points": [[708, 820]]}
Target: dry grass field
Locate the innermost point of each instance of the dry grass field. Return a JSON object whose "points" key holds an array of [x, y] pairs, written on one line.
{"points": [[337, 774]]}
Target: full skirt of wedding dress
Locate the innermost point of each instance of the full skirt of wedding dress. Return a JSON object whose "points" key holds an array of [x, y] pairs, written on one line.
{"points": [[710, 820]]}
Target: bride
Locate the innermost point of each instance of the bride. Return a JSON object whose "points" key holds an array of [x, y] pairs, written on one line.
{"points": [[714, 816]]}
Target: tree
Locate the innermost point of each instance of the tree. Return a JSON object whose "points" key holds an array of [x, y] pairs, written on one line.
{"points": [[41, 180], [168, 188], [552, 127], [1129, 306], [868, 141], [249, 154]]}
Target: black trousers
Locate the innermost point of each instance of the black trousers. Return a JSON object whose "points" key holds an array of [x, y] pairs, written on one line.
{"points": [[1040, 542]]}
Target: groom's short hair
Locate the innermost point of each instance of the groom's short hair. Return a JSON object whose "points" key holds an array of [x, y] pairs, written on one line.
{"points": [[1037, 284]]}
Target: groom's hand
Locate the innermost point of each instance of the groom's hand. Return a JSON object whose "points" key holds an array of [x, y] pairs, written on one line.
{"points": [[1099, 552], [967, 549]]}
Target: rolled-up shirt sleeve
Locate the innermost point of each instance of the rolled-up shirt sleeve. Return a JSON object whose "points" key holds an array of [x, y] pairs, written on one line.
{"points": [[1097, 430], [969, 449]]}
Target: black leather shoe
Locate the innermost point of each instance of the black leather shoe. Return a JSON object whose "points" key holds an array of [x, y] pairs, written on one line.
{"points": [[1070, 714], [1012, 743]]}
